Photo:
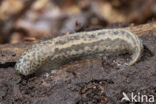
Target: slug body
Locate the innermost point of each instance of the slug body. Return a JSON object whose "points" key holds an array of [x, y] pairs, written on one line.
{"points": [[53, 53]]}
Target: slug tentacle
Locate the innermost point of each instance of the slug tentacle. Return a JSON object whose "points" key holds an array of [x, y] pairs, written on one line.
{"points": [[53, 53]]}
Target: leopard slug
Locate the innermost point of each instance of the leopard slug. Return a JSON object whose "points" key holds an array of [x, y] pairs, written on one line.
{"points": [[55, 52]]}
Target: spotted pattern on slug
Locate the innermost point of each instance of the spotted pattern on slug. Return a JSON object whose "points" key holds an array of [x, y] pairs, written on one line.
{"points": [[53, 53]]}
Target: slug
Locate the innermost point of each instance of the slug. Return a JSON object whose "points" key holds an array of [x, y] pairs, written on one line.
{"points": [[55, 52]]}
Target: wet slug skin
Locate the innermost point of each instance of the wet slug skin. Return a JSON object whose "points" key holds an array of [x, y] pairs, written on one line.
{"points": [[53, 53]]}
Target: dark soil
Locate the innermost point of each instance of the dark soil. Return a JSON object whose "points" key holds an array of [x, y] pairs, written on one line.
{"points": [[100, 80]]}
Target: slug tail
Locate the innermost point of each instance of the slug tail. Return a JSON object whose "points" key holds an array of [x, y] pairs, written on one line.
{"points": [[137, 53]]}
